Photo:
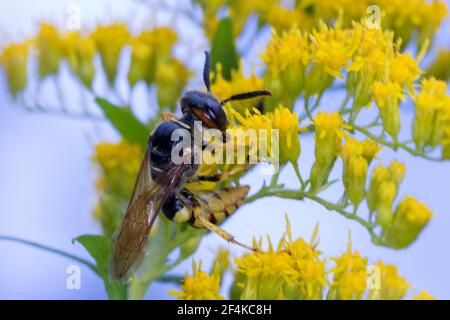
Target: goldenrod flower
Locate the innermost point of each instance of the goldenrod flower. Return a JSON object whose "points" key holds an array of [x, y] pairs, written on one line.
{"points": [[409, 219], [424, 295], [349, 277], [328, 128], [199, 286], [387, 97], [369, 62], [392, 285], [383, 189], [119, 163], [149, 50], [293, 271], [287, 123], [110, 39], [80, 52], [50, 48], [357, 156], [14, 58], [287, 56], [431, 103], [171, 78], [440, 69], [404, 70], [267, 274], [238, 83]]}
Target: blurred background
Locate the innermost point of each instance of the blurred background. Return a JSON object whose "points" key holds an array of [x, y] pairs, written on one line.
{"points": [[47, 189]]}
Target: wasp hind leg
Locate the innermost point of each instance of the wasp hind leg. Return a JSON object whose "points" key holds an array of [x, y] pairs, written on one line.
{"points": [[220, 232]]}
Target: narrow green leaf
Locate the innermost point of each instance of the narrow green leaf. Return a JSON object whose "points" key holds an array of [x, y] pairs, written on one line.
{"points": [[223, 49], [99, 248], [125, 122]]}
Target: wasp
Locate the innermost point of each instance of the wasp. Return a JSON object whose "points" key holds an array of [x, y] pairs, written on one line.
{"points": [[160, 183]]}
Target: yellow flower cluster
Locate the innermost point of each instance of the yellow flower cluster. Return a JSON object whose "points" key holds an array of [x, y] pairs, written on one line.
{"points": [[295, 270], [440, 69], [403, 17], [329, 133], [151, 58], [238, 83], [14, 59], [349, 277], [432, 119], [383, 189], [199, 286], [392, 286], [299, 62], [409, 219], [357, 157], [118, 165], [256, 136]]}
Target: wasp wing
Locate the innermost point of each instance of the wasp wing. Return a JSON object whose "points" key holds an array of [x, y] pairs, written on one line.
{"points": [[146, 201]]}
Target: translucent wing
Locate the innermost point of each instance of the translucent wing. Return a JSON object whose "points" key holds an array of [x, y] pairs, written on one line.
{"points": [[146, 201]]}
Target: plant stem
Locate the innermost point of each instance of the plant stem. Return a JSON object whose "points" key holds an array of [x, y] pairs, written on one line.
{"points": [[50, 249], [395, 145]]}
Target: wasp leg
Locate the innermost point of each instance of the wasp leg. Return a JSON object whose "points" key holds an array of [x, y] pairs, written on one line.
{"points": [[222, 233]]}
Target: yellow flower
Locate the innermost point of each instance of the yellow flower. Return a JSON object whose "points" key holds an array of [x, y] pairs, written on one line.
{"points": [[383, 190], [328, 127], [440, 69], [349, 277], [110, 39], [149, 50], [409, 219], [431, 106], [199, 286], [223, 88], [287, 56], [392, 285], [404, 70], [293, 271], [171, 78], [287, 123], [14, 58], [357, 156], [332, 49], [119, 163], [50, 48], [387, 97], [80, 52], [424, 295]]}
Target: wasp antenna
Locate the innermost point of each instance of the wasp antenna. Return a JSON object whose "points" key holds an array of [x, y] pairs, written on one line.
{"points": [[247, 95], [206, 72]]}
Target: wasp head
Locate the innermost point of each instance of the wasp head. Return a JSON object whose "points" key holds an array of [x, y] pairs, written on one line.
{"points": [[206, 108]]}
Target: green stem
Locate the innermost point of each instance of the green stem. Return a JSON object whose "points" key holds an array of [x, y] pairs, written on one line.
{"points": [[50, 249], [301, 195], [395, 145]]}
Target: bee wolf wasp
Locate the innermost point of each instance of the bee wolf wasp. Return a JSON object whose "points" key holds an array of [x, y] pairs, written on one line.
{"points": [[159, 186]]}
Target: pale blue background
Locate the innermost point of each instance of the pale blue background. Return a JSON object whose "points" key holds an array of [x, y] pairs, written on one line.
{"points": [[47, 180]]}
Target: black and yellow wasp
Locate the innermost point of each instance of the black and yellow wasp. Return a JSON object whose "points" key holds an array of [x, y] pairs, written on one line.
{"points": [[160, 184]]}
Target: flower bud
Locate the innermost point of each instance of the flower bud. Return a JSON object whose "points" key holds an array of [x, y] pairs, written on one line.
{"points": [[328, 139], [50, 49], [387, 97], [14, 60], [409, 219], [110, 40]]}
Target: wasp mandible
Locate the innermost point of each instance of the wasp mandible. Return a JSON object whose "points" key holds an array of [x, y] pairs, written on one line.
{"points": [[159, 186]]}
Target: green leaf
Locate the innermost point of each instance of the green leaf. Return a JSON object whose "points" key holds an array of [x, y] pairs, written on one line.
{"points": [[223, 50], [99, 248], [125, 122]]}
